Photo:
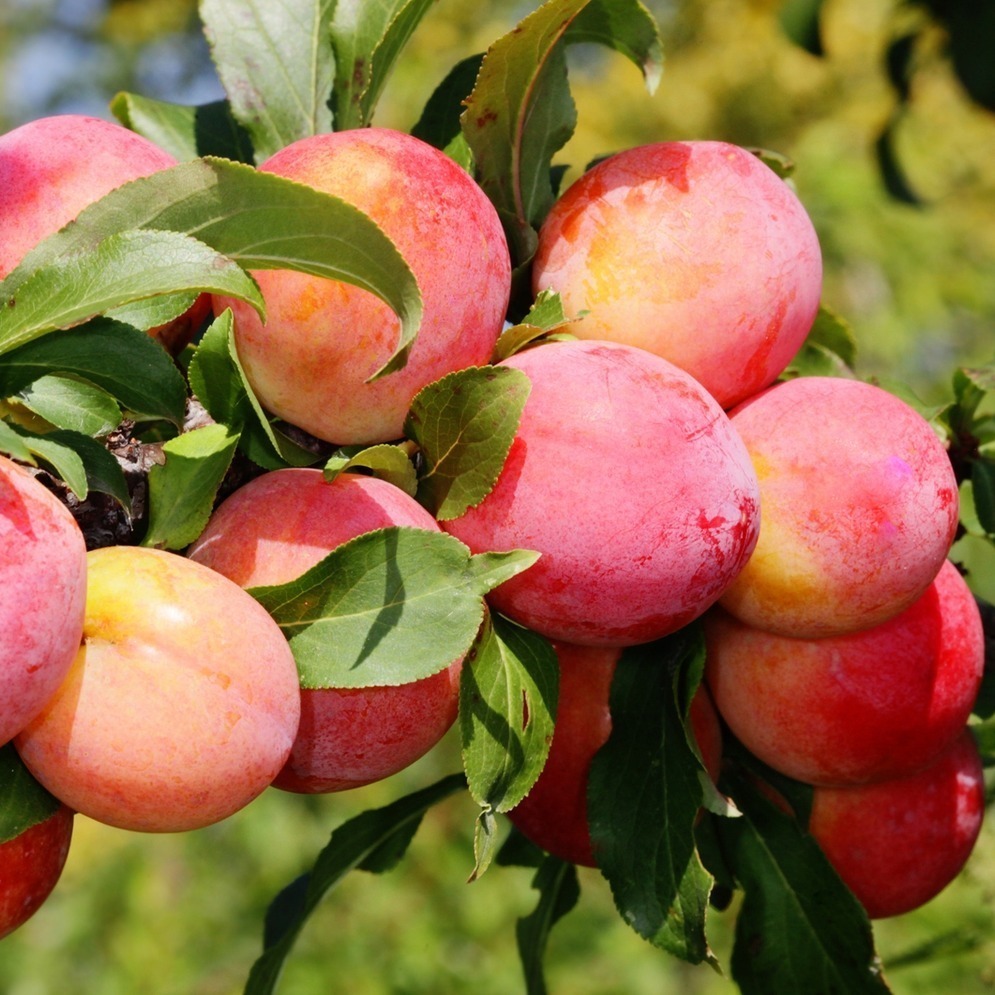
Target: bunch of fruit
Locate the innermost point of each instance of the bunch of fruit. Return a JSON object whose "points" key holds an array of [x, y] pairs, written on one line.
{"points": [[659, 469], [845, 651], [849, 653]]}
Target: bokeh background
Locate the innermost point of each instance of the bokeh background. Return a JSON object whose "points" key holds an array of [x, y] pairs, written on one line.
{"points": [[182, 915]]}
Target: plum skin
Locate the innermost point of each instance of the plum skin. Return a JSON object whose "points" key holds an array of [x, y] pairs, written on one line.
{"points": [[42, 595], [323, 339], [629, 480], [272, 530], [898, 843], [860, 507], [696, 251], [53, 167], [30, 867], [182, 702], [874, 704]]}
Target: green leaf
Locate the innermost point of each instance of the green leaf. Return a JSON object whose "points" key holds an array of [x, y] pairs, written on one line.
{"points": [[830, 348], [519, 851], [388, 462], [543, 321], [388, 607], [367, 39], [274, 59], [984, 704], [439, 124], [81, 462], [484, 842], [629, 28], [982, 377], [508, 694], [683, 934], [983, 488], [126, 266], [267, 445], [215, 377], [984, 736], [465, 424], [969, 520], [182, 490], [23, 801], [121, 360], [103, 472], [260, 431], [835, 333], [775, 161], [710, 851], [185, 132], [933, 413], [13, 445], [967, 392], [556, 882], [644, 793], [800, 21], [72, 404], [259, 220], [799, 927], [815, 360], [796, 794], [62, 459], [359, 843], [547, 311], [219, 383], [515, 339], [151, 312], [520, 112]]}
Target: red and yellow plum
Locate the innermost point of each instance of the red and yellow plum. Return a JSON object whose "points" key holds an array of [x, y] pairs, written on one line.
{"points": [[696, 251], [629, 480], [42, 595], [31, 864], [272, 530], [181, 705], [323, 339], [859, 507], [875, 704]]}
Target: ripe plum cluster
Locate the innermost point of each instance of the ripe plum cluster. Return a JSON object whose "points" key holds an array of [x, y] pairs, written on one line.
{"points": [[844, 649], [662, 471]]}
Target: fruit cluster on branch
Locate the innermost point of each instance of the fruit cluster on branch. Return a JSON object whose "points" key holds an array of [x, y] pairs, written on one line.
{"points": [[679, 576]]}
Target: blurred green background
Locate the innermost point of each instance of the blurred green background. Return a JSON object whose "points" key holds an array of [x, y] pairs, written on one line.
{"points": [[182, 915]]}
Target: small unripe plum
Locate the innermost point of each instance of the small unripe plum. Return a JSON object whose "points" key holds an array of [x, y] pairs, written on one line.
{"points": [[181, 705], [629, 480], [323, 339], [30, 867], [272, 530], [696, 251], [859, 507], [42, 594], [53, 167], [898, 843], [553, 815], [875, 704]]}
